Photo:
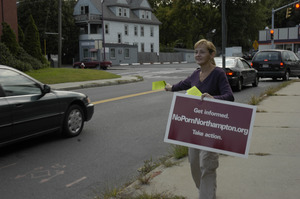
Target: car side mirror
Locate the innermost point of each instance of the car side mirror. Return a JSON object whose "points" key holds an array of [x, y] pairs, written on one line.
{"points": [[46, 89]]}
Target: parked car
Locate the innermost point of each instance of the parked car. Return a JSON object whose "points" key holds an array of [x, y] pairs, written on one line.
{"points": [[29, 108], [276, 64], [239, 72], [90, 63]]}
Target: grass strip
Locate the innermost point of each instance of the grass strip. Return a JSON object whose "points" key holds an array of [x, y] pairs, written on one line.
{"points": [[63, 75]]}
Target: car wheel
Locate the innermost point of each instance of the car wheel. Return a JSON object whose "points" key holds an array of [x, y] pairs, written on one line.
{"points": [[74, 121], [286, 76], [255, 83], [239, 85]]}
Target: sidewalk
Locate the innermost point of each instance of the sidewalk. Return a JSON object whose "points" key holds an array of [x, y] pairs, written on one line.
{"points": [[272, 169], [95, 83]]}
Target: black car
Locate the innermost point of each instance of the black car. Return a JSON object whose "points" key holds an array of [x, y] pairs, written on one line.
{"points": [[276, 64], [239, 72], [29, 108]]}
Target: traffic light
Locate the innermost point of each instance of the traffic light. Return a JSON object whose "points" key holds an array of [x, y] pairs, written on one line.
{"points": [[272, 34], [288, 12], [297, 5]]}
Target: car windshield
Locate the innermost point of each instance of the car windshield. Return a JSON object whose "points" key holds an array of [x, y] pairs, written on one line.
{"points": [[267, 56], [229, 62]]}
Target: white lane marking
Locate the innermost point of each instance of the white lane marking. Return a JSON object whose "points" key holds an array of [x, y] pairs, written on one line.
{"points": [[76, 181]]}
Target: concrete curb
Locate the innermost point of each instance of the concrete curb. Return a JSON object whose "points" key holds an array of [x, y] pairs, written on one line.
{"points": [[96, 83]]}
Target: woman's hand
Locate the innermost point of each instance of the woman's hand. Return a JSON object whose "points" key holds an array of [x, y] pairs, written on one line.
{"points": [[206, 95], [168, 87]]}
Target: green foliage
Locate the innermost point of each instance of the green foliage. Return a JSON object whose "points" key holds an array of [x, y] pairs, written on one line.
{"points": [[21, 36], [6, 58], [179, 151], [191, 20], [62, 75], [45, 15], [9, 38], [149, 165], [32, 41], [23, 56]]}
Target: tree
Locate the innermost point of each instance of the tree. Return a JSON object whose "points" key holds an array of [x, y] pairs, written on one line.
{"points": [[187, 21], [45, 15], [184, 22], [21, 36], [32, 41], [8, 37]]}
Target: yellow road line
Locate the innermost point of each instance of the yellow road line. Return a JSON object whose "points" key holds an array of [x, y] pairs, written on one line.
{"points": [[126, 96]]}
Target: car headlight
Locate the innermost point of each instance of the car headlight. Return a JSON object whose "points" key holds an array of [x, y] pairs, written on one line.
{"points": [[88, 100]]}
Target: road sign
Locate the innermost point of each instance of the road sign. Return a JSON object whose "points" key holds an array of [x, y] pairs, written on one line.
{"points": [[255, 45]]}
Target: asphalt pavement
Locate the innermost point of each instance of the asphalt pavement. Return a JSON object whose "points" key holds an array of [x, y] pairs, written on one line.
{"points": [[271, 171]]}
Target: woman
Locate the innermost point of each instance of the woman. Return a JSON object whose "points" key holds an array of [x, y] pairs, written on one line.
{"points": [[213, 83]]}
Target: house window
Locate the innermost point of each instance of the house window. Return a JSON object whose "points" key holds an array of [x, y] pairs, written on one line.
{"points": [[143, 14], [126, 53], [135, 31], [94, 28], [147, 14], [106, 28], [119, 38], [142, 47], [120, 12], [151, 31], [152, 47], [84, 10], [125, 12], [85, 52], [94, 55], [112, 53], [142, 31], [126, 30], [84, 30]]}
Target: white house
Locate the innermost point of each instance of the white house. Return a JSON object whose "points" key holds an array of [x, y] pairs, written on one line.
{"points": [[129, 27]]}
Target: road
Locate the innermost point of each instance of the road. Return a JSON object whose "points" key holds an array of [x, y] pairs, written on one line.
{"points": [[122, 135]]}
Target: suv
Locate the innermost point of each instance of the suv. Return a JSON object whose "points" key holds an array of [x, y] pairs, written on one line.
{"points": [[276, 64]]}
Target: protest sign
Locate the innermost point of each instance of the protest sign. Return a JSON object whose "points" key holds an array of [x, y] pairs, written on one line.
{"points": [[213, 125], [158, 85], [194, 91]]}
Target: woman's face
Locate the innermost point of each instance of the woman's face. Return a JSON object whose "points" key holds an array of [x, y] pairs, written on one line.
{"points": [[202, 55]]}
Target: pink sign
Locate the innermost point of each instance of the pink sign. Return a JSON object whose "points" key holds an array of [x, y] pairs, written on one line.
{"points": [[212, 125]]}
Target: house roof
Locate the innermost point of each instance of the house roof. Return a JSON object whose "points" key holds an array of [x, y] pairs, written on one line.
{"points": [[132, 4]]}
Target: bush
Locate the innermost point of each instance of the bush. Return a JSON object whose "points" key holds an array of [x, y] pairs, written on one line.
{"points": [[23, 56], [6, 58], [9, 38]]}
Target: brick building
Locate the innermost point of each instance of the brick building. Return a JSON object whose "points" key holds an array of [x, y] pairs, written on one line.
{"points": [[8, 14]]}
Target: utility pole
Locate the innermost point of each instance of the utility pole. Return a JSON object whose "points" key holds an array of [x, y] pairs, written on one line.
{"points": [[59, 34], [103, 32], [224, 35]]}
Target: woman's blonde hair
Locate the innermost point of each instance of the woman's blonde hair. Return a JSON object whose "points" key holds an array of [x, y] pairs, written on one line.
{"points": [[210, 46]]}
